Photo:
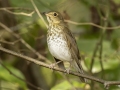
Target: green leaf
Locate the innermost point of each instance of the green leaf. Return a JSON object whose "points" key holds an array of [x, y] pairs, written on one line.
{"points": [[6, 76], [109, 57], [65, 85]]}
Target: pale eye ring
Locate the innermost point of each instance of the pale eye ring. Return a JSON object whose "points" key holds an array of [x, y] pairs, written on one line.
{"points": [[55, 14]]}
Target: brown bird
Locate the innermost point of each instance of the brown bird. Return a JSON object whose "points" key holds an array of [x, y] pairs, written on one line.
{"points": [[61, 43]]}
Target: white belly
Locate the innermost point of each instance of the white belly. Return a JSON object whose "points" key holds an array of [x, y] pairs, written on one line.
{"points": [[59, 49]]}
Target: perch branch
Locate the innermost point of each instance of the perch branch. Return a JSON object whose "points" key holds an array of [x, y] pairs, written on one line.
{"points": [[106, 83]]}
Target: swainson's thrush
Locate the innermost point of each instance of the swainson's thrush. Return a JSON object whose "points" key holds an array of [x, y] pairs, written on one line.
{"points": [[61, 43]]}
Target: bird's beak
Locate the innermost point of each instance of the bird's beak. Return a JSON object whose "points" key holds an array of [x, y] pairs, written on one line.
{"points": [[46, 14]]}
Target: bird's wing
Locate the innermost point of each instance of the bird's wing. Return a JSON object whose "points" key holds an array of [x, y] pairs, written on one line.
{"points": [[72, 45], [74, 51]]}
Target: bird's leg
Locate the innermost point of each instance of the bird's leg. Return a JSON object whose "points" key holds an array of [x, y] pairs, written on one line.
{"points": [[61, 64], [54, 64], [69, 68]]}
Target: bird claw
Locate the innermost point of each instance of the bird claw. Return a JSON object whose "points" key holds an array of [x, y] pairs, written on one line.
{"points": [[106, 85], [68, 70], [52, 65]]}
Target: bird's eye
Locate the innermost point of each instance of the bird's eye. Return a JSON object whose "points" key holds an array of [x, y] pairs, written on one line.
{"points": [[55, 14]]}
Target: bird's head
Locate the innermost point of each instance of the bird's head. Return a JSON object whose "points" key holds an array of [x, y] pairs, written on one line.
{"points": [[54, 17]]}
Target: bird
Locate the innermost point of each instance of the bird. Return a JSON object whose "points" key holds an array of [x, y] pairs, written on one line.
{"points": [[61, 43]]}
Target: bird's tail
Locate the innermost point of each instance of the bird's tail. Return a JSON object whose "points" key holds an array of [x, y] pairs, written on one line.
{"points": [[78, 68]]}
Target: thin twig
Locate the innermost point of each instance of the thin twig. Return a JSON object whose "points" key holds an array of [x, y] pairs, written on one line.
{"points": [[101, 46], [38, 12], [100, 52], [93, 24], [18, 8], [93, 56], [24, 43], [105, 24], [10, 43], [7, 9], [16, 13], [106, 83]]}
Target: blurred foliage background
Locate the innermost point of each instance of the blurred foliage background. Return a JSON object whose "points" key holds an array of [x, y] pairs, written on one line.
{"points": [[106, 64]]}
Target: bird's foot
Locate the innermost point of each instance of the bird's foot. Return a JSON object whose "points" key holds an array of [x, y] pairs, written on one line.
{"points": [[68, 70], [53, 65]]}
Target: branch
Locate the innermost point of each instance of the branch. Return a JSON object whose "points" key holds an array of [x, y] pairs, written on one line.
{"points": [[16, 13], [18, 8], [38, 12], [106, 83], [10, 43], [93, 56], [24, 43], [101, 40], [92, 24]]}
